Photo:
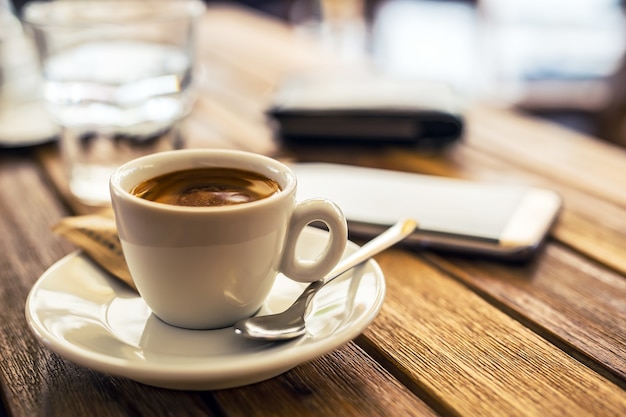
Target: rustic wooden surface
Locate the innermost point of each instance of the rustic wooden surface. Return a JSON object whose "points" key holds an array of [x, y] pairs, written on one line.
{"points": [[456, 335]]}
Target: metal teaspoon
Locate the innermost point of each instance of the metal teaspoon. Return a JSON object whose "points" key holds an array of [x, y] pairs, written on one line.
{"points": [[290, 323]]}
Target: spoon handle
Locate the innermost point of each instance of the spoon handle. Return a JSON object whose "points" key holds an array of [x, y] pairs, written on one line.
{"points": [[388, 238], [291, 322]]}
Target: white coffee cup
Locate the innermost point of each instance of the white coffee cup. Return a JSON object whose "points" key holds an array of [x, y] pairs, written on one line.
{"points": [[208, 267]]}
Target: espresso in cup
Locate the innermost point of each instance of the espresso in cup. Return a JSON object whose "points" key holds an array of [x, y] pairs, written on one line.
{"points": [[206, 187], [207, 267]]}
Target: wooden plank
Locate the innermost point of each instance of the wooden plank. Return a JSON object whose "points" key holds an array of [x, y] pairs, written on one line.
{"points": [[457, 349], [553, 151], [578, 305], [345, 382]]}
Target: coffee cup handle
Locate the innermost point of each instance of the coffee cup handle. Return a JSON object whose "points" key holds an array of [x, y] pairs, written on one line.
{"points": [[306, 212]]}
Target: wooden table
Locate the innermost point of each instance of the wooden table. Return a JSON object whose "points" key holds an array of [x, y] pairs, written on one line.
{"points": [[456, 335]]}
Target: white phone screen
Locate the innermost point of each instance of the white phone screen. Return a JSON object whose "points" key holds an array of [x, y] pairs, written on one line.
{"points": [[381, 197]]}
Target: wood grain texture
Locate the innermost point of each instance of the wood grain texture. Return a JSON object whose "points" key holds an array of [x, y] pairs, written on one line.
{"points": [[345, 382], [550, 150], [445, 341], [579, 305]]}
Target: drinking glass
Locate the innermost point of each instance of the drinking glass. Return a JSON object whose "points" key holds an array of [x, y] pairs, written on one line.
{"points": [[20, 86], [117, 78]]}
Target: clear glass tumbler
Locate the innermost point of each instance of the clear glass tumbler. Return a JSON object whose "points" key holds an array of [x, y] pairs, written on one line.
{"points": [[117, 78]]}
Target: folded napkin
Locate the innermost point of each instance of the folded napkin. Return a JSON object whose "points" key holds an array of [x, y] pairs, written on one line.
{"points": [[97, 236]]}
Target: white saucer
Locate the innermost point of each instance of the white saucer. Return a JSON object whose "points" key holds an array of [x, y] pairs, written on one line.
{"points": [[27, 124], [90, 318]]}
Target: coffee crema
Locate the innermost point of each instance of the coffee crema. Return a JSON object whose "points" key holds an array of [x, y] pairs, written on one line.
{"points": [[207, 187]]}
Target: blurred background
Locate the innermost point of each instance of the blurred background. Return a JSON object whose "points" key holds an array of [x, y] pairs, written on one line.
{"points": [[558, 59]]}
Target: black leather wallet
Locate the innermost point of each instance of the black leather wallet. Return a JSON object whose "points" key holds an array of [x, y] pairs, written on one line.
{"points": [[366, 110]]}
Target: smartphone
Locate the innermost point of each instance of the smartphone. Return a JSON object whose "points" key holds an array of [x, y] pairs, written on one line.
{"points": [[502, 220]]}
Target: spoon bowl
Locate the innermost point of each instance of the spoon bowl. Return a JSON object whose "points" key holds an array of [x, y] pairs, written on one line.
{"points": [[291, 323]]}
